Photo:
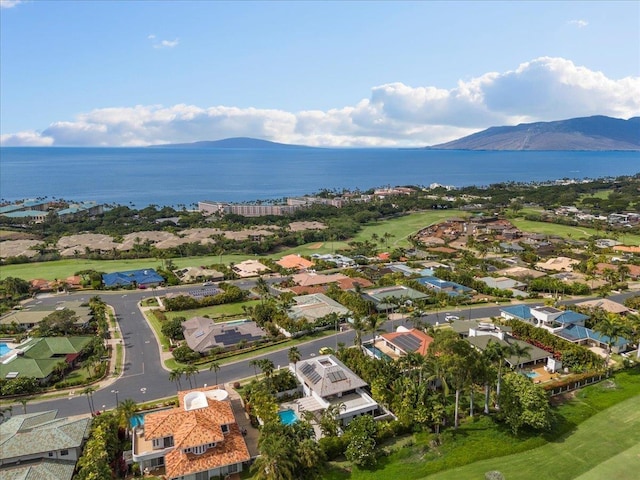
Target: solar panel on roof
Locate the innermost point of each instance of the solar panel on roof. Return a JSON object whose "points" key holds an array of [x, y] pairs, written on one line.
{"points": [[309, 371], [408, 342], [336, 376]]}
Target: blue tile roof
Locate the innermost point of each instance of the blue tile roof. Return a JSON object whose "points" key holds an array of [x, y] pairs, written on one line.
{"points": [[519, 311], [453, 288], [140, 277], [569, 317], [575, 333]]}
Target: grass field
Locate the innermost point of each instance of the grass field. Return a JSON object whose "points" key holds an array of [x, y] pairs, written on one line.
{"points": [[568, 231], [594, 442], [216, 312], [600, 423], [400, 228]]}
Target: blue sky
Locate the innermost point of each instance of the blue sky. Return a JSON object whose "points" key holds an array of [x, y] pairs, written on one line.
{"points": [[122, 73]]}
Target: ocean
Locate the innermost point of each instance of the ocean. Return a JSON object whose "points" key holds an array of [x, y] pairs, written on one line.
{"points": [[183, 176]]}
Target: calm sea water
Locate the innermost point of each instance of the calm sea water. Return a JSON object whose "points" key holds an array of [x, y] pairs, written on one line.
{"points": [[176, 176]]}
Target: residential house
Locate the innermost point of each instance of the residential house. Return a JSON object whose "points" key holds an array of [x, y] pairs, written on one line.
{"points": [[202, 334], [198, 440], [452, 289], [249, 268], [295, 262], [143, 278], [504, 283], [605, 304], [41, 446], [387, 298], [399, 343], [39, 356], [314, 306], [327, 381]]}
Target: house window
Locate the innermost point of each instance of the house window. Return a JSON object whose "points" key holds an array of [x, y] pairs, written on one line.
{"points": [[64, 453], [233, 468], [168, 442], [225, 428], [199, 450], [51, 454]]}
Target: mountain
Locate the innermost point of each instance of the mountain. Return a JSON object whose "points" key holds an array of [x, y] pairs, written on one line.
{"points": [[586, 133], [237, 142]]}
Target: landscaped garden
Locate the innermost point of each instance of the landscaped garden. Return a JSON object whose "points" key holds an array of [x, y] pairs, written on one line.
{"points": [[598, 424]]}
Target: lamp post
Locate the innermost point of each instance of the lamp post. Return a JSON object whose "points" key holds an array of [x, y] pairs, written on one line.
{"points": [[116, 392]]}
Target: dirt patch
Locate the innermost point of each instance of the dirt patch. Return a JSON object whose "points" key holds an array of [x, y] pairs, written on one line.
{"points": [[562, 398], [316, 246]]}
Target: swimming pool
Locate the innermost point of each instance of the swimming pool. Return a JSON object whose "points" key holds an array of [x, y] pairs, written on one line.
{"points": [[288, 417], [377, 352], [4, 348], [532, 374], [137, 420], [237, 322]]}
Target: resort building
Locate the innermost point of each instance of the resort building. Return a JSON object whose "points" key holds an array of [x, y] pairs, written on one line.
{"points": [[327, 381], [198, 440], [41, 446]]}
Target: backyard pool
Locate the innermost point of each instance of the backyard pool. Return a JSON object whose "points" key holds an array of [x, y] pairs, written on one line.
{"points": [[137, 420], [288, 417], [532, 374], [4, 349], [377, 352]]}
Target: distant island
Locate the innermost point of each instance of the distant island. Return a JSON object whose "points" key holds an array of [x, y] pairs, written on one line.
{"points": [[236, 142], [597, 133]]}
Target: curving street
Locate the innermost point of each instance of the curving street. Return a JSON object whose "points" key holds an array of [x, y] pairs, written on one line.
{"points": [[145, 379]]}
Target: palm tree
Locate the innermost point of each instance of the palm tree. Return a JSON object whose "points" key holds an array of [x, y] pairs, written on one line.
{"points": [[358, 327], [520, 350], [88, 391], [23, 401], [294, 357], [175, 375], [190, 371], [254, 364], [215, 367], [611, 329], [263, 289], [373, 325], [266, 366], [498, 352], [276, 461], [60, 368], [126, 411]]}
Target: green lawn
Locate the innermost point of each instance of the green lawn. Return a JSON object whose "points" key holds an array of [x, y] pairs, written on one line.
{"points": [[568, 231], [400, 228], [624, 466], [216, 312], [595, 441], [603, 421]]}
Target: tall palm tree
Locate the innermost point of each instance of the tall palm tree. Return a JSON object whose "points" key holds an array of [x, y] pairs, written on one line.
{"points": [[266, 366], [126, 411], [276, 460], [88, 391], [498, 352], [294, 357], [373, 325], [215, 367], [254, 364], [611, 329], [60, 368], [190, 371], [358, 327], [520, 350], [175, 375]]}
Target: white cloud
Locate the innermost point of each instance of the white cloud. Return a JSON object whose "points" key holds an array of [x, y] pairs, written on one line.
{"points": [[167, 44], [395, 114], [26, 139], [151, 36], [578, 23], [10, 3]]}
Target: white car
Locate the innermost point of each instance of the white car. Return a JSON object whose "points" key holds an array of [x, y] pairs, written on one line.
{"points": [[451, 318]]}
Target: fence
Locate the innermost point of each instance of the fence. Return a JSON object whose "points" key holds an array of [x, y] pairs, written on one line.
{"points": [[575, 384]]}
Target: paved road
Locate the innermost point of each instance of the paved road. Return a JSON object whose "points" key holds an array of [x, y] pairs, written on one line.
{"points": [[144, 378]]}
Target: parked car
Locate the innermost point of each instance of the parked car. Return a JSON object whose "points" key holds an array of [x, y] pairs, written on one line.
{"points": [[325, 351]]}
